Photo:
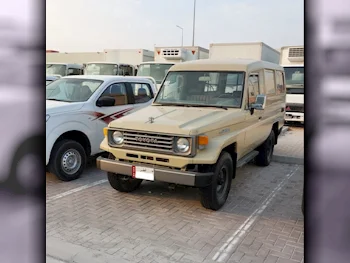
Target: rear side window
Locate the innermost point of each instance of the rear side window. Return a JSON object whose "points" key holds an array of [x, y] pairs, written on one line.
{"points": [[142, 92], [280, 82], [270, 85]]}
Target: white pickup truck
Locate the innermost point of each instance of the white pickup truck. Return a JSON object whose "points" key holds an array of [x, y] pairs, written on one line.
{"points": [[77, 110]]}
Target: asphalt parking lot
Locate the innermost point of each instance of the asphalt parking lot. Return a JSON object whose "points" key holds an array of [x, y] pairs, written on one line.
{"points": [[261, 221]]}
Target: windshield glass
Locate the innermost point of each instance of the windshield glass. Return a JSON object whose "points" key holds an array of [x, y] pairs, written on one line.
{"points": [[202, 89], [101, 69], [294, 75], [48, 82], [56, 69], [72, 90], [156, 71]]}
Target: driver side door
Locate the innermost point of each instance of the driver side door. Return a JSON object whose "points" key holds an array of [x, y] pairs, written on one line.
{"points": [[254, 118], [105, 114]]}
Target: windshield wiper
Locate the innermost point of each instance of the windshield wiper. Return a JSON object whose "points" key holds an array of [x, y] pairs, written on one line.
{"points": [[209, 106]]}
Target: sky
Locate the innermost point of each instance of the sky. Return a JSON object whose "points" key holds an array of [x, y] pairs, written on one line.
{"points": [[94, 25]]}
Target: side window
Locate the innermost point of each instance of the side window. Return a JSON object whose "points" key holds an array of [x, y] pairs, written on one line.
{"points": [[253, 87], [142, 92], [270, 85], [118, 92], [280, 82]]}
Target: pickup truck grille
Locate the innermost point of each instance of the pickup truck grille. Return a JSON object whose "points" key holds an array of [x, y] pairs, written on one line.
{"points": [[295, 108], [148, 141]]}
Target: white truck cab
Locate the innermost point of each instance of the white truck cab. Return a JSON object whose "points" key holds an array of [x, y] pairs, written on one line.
{"points": [[77, 110], [64, 69], [166, 57], [109, 68], [292, 60]]}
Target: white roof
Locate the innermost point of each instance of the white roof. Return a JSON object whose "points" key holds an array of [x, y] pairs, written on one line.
{"points": [[106, 77]]}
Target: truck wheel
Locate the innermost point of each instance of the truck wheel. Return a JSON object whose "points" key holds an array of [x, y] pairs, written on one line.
{"points": [[122, 183], [68, 160], [266, 151], [215, 195]]}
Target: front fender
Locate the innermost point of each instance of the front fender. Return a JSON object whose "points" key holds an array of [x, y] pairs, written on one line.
{"points": [[53, 134]]}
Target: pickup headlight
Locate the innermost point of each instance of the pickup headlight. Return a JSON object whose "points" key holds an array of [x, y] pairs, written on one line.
{"points": [[182, 145], [47, 117], [118, 137]]}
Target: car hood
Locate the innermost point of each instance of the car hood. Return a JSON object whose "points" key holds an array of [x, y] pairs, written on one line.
{"points": [[179, 120], [57, 107]]}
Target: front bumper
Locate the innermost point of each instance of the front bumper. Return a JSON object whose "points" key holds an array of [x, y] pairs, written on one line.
{"points": [[195, 179], [294, 116]]}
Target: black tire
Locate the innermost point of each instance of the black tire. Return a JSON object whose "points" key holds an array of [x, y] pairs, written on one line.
{"points": [[58, 151], [26, 167], [266, 151], [215, 195], [122, 183]]}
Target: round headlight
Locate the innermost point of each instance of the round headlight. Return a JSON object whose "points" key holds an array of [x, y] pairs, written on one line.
{"points": [[183, 145], [118, 137]]}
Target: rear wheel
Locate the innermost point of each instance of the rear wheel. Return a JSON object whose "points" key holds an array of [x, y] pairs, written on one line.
{"points": [[68, 160], [266, 151], [215, 195], [122, 183]]}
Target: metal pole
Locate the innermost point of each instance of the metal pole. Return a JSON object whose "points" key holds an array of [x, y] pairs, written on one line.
{"points": [[182, 35], [194, 21]]}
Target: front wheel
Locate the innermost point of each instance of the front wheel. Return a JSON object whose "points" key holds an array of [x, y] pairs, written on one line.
{"points": [[68, 160], [122, 183], [215, 195]]}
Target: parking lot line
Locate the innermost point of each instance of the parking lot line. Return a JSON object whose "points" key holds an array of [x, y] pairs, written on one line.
{"points": [[230, 245], [75, 190]]}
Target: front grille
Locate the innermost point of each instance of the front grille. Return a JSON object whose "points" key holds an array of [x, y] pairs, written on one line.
{"points": [[295, 108], [147, 141]]}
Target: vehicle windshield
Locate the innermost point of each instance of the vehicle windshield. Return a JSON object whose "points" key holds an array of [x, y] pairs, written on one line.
{"points": [[294, 76], [48, 82], [56, 69], [156, 71], [101, 69], [202, 88], [72, 90]]}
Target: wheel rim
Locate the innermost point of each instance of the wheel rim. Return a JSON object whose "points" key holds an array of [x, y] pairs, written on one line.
{"points": [[27, 170], [222, 181], [71, 161]]}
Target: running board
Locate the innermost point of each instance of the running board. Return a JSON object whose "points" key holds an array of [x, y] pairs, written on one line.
{"points": [[247, 158]]}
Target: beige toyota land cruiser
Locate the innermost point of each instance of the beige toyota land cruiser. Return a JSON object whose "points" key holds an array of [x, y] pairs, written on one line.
{"points": [[208, 118]]}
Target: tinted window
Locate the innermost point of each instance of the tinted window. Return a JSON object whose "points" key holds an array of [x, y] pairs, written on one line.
{"points": [[118, 92], [142, 92]]}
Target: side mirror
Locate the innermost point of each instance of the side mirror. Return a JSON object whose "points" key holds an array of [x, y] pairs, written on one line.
{"points": [[105, 102], [260, 103]]}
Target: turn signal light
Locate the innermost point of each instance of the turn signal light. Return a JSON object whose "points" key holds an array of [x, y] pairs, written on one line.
{"points": [[203, 140], [105, 131]]}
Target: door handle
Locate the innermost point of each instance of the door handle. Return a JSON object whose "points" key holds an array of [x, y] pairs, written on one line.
{"points": [[260, 118]]}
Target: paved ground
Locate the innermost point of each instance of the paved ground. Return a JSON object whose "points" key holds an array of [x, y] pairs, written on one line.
{"points": [[290, 147], [89, 221]]}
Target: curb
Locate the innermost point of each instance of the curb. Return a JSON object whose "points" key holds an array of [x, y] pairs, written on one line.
{"points": [[288, 159], [60, 251]]}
